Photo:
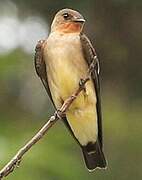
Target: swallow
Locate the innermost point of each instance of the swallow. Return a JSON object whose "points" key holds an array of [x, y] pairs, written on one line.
{"points": [[61, 61]]}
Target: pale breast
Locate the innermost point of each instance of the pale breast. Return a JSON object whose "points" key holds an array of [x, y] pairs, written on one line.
{"points": [[65, 63], [65, 66]]}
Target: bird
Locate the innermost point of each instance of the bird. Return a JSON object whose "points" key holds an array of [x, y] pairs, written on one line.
{"points": [[61, 61]]}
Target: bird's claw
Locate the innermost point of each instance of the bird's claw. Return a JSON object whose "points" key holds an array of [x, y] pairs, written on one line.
{"points": [[58, 114], [82, 84]]}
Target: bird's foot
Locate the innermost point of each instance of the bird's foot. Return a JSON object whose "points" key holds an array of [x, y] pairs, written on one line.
{"points": [[58, 114], [82, 85]]}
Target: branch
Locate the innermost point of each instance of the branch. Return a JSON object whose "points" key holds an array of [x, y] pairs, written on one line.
{"points": [[15, 161]]}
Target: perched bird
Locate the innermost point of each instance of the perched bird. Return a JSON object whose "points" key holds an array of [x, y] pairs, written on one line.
{"points": [[61, 61]]}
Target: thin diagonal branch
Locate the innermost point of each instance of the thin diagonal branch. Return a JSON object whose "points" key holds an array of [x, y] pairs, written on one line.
{"points": [[15, 161]]}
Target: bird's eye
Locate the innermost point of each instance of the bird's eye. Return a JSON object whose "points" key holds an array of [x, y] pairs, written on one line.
{"points": [[66, 16]]}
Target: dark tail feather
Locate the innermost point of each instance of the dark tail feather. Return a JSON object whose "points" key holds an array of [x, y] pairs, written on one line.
{"points": [[94, 156]]}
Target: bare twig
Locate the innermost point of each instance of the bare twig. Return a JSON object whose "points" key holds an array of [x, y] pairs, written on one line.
{"points": [[15, 161]]}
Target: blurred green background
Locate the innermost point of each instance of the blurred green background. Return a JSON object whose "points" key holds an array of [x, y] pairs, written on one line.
{"points": [[115, 28]]}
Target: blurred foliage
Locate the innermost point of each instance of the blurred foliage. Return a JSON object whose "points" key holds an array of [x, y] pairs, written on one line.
{"points": [[114, 26]]}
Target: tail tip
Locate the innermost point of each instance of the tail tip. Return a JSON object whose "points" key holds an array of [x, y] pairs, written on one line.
{"points": [[104, 167], [94, 157]]}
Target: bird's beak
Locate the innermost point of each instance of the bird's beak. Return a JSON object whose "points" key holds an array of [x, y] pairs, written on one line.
{"points": [[80, 20]]}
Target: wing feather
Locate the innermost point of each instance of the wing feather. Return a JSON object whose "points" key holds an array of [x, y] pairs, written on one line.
{"points": [[90, 55], [40, 65]]}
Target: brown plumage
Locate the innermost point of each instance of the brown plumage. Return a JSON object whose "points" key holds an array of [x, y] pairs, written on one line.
{"points": [[61, 61]]}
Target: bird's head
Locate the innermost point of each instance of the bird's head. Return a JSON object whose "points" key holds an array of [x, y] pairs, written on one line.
{"points": [[68, 21]]}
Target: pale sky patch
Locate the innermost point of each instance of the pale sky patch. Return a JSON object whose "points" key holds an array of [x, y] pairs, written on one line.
{"points": [[15, 33]]}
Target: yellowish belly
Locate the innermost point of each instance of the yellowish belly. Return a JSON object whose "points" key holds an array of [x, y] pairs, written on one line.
{"points": [[64, 73]]}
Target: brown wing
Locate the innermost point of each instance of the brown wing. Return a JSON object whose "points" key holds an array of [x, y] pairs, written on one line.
{"points": [[40, 65], [90, 55]]}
